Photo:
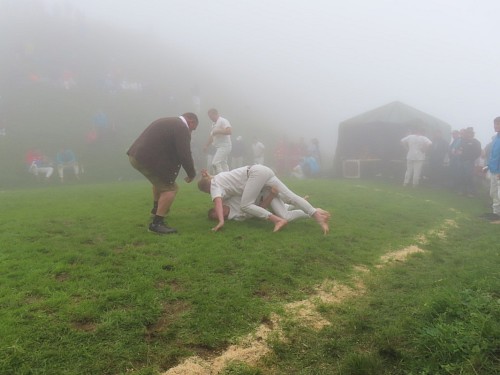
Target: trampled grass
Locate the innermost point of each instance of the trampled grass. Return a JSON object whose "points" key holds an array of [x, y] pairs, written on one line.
{"points": [[85, 289]]}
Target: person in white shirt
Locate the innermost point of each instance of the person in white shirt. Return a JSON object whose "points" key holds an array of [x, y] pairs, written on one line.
{"points": [[258, 151], [247, 182], [231, 207], [220, 138], [416, 144]]}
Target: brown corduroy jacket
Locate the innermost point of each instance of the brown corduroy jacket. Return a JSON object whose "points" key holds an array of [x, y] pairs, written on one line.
{"points": [[163, 147]]}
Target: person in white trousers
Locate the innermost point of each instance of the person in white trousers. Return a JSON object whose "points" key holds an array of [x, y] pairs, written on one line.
{"points": [[258, 149], [220, 138], [38, 167], [231, 207], [416, 144], [247, 182]]}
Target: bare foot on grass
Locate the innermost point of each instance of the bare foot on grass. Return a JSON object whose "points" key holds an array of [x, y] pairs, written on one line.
{"points": [[321, 216], [279, 224], [323, 212], [323, 223]]}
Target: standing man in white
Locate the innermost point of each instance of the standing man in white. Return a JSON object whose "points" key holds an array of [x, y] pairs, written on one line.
{"points": [[416, 144], [220, 138], [258, 151]]}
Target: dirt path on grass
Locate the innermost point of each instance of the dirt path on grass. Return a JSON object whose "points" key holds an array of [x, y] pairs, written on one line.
{"points": [[253, 347]]}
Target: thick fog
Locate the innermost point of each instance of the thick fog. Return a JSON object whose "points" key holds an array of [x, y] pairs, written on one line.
{"points": [[301, 67], [312, 64]]}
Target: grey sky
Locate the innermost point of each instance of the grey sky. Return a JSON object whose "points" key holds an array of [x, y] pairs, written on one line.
{"points": [[320, 62]]}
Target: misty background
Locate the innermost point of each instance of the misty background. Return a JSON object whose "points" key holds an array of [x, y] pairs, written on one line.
{"points": [[295, 68]]}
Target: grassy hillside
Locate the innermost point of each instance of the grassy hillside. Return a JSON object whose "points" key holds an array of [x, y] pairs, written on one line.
{"points": [[60, 70], [87, 290]]}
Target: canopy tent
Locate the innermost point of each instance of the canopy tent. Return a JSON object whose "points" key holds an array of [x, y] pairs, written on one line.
{"points": [[375, 135]]}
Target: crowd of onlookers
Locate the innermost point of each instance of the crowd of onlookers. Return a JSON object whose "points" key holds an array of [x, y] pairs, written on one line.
{"points": [[461, 165], [43, 166], [288, 157], [433, 161]]}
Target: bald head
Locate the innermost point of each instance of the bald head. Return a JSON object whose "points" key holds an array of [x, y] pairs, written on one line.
{"points": [[213, 114]]}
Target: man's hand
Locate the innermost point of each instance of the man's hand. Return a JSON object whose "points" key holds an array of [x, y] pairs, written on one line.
{"points": [[218, 226], [188, 179]]}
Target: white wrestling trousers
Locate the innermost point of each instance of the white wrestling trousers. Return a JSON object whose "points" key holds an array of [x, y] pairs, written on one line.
{"points": [[221, 156], [286, 211], [260, 176], [73, 165], [495, 192], [41, 170], [413, 169]]}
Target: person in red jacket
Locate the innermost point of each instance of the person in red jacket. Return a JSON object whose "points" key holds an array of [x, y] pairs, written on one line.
{"points": [[158, 153]]}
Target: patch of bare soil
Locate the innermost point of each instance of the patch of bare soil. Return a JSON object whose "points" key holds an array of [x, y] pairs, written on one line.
{"points": [[250, 349], [398, 256], [191, 366], [328, 293], [85, 326], [441, 232], [171, 311]]}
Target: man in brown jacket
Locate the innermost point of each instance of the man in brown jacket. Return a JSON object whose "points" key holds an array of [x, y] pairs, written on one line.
{"points": [[158, 154]]}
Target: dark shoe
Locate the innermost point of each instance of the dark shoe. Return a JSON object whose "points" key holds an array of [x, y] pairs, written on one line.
{"points": [[161, 228]]}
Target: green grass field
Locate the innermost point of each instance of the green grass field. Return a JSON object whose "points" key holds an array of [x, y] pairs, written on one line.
{"points": [[85, 289]]}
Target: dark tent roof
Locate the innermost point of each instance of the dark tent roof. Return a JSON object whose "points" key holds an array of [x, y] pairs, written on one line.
{"points": [[376, 134], [399, 113]]}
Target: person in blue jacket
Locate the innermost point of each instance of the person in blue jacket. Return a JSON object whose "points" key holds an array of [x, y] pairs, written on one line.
{"points": [[493, 167]]}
